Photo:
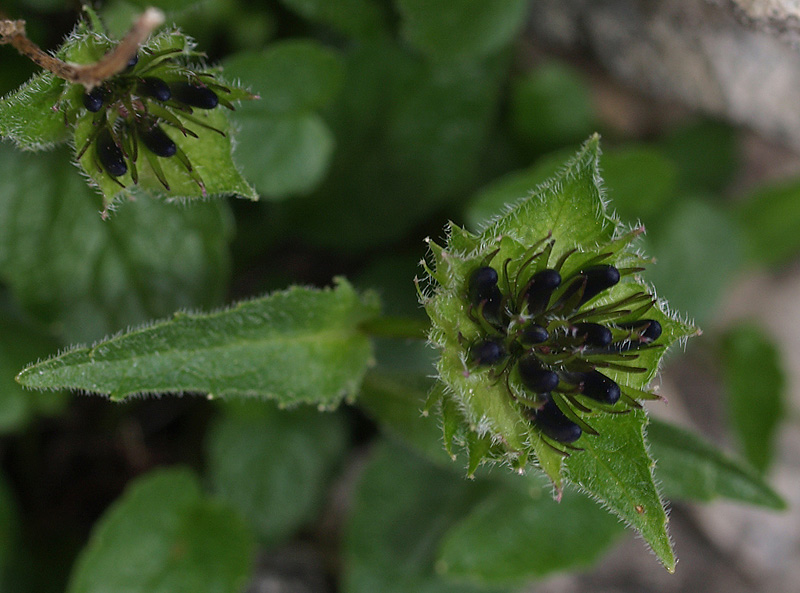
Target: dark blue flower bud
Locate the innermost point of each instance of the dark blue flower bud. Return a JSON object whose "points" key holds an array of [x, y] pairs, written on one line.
{"points": [[535, 376], [158, 142], [597, 386], [593, 334], [552, 422], [598, 278], [94, 99], [156, 88], [541, 288], [533, 333], [197, 96], [109, 154], [487, 353], [650, 329]]}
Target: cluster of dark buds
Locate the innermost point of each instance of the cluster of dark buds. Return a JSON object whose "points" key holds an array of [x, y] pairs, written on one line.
{"points": [[554, 340], [133, 108]]}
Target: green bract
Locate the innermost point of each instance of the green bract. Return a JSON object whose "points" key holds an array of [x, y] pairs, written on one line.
{"points": [[523, 377], [138, 127]]}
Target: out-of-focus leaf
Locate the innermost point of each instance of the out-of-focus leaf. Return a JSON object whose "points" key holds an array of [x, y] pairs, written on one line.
{"points": [[88, 277], [698, 251], [755, 383], [290, 77], [706, 154], [410, 135], [163, 536], [518, 534], [769, 220], [690, 468], [551, 106], [274, 465], [299, 345], [401, 510], [8, 528], [461, 29], [361, 19], [640, 179]]}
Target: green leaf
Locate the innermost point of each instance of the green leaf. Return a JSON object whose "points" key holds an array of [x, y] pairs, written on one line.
{"points": [[551, 106], [274, 466], [27, 116], [284, 156], [299, 345], [290, 77], [361, 19], [705, 152], [461, 29], [20, 343], [163, 536], [698, 250], [88, 277], [510, 188], [690, 468], [769, 219], [640, 180], [410, 136], [516, 534], [402, 508], [755, 383]]}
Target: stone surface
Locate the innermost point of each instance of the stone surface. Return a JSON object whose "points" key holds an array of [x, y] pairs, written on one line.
{"points": [[735, 59]]}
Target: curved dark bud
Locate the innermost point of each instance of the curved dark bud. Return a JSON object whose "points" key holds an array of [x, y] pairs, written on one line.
{"points": [[132, 62], [541, 288], [94, 99], [598, 278], [157, 141], [552, 422], [109, 154], [487, 353], [535, 376], [650, 329], [197, 96], [150, 86], [593, 334], [532, 334], [482, 284], [599, 387]]}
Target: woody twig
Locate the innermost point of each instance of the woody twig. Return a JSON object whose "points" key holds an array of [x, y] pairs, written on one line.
{"points": [[89, 75]]}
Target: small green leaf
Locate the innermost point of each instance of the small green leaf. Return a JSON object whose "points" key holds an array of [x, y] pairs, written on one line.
{"points": [[689, 468], [755, 383], [290, 77], [163, 536], [461, 29], [274, 465], [551, 106], [284, 156], [361, 19], [300, 345], [770, 219], [402, 508], [88, 277], [640, 179], [27, 115], [698, 250], [516, 535]]}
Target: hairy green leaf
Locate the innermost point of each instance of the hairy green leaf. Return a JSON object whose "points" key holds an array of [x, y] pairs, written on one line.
{"points": [[299, 345], [516, 534], [617, 470], [692, 469], [274, 465], [28, 117], [88, 277], [755, 384], [163, 536], [461, 29]]}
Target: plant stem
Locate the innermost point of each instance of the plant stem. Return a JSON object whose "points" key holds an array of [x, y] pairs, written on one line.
{"points": [[396, 327]]}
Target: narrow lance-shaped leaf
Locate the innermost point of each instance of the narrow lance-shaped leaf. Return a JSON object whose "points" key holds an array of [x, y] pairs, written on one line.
{"points": [[299, 345], [692, 469]]}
